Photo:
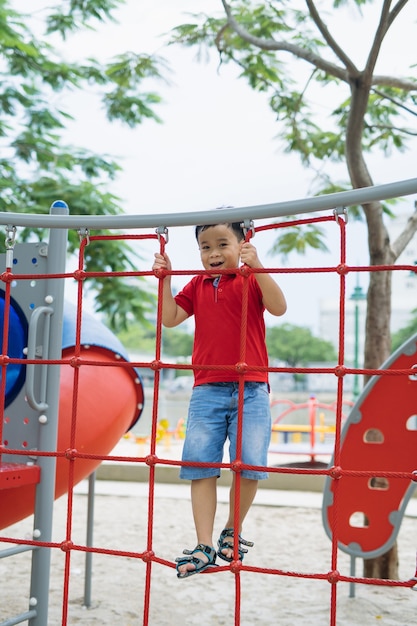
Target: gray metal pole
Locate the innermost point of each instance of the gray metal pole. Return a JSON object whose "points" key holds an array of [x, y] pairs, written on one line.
{"points": [[352, 573], [89, 540], [42, 528], [174, 218]]}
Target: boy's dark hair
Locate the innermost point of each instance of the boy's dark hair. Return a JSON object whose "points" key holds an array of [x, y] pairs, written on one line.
{"points": [[235, 226]]}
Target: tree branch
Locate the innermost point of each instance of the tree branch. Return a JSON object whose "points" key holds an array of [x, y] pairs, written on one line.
{"points": [[297, 51], [394, 81], [398, 104], [396, 10], [386, 20], [381, 31], [404, 131], [402, 241], [333, 45]]}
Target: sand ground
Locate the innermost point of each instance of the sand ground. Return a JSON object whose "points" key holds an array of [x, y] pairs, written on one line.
{"points": [[288, 534]]}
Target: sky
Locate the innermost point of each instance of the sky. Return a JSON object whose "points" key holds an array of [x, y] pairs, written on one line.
{"points": [[218, 142]]}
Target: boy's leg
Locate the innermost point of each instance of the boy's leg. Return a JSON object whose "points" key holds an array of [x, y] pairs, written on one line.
{"points": [[204, 503], [248, 489]]}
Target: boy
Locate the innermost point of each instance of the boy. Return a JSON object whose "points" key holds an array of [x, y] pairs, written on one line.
{"points": [[215, 300]]}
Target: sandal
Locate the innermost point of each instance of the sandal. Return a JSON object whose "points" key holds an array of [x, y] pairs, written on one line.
{"points": [[224, 545], [200, 565]]}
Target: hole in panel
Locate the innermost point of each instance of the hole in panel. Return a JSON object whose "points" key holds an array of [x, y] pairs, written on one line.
{"points": [[358, 520], [373, 435], [411, 423], [379, 483]]}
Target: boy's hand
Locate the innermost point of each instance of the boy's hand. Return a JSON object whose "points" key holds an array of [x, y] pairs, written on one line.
{"points": [[249, 255], [161, 262], [272, 297]]}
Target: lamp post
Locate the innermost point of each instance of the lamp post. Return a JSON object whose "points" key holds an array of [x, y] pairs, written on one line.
{"points": [[357, 296]]}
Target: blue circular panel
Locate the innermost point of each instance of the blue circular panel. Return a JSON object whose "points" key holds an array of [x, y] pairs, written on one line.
{"points": [[17, 341]]}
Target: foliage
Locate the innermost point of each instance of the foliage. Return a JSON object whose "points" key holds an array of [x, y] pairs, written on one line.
{"points": [[297, 346], [141, 338], [299, 239], [36, 166], [260, 37], [403, 334], [138, 337], [177, 343]]}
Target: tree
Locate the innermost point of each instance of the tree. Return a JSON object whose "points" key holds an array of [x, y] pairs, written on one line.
{"points": [[405, 333], [141, 337], [297, 346], [36, 167], [371, 113], [177, 342]]}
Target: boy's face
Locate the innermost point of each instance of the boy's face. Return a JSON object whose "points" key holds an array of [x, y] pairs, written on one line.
{"points": [[219, 248]]}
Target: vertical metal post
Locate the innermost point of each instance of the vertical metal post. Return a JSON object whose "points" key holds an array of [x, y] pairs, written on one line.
{"points": [[357, 296], [352, 573], [356, 354], [89, 540], [45, 492]]}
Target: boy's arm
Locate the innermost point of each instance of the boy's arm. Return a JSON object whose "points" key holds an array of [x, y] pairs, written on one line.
{"points": [[172, 314], [272, 296]]}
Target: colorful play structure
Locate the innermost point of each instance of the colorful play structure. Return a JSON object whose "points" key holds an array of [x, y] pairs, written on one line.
{"points": [[364, 506], [70, 394], [69, 388], [313, 436], [103, 416]]}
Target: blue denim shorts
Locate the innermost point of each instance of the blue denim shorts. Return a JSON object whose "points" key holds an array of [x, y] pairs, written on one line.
{"points": [[213, 418]]}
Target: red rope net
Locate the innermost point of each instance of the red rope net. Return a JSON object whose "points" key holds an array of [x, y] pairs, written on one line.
{"points": [[148, 555]]}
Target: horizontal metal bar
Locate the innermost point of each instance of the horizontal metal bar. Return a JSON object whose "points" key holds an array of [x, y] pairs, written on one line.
{"points": [[16, 550], [19, 619], [262, 211]]}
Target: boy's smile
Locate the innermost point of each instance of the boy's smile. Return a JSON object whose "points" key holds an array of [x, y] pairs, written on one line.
{"points": [[219, 248]]}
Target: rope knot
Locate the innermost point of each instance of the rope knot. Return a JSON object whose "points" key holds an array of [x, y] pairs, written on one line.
{"points": [[236, 566], [148, 556], [236, 466], [333, 576], [342, 269], [66, 546], [79, 275], [335, 472], [245, 270], [7, 277], [71, 453]]}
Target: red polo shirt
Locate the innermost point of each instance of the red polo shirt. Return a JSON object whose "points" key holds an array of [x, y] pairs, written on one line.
{"points": [[218, 316]]}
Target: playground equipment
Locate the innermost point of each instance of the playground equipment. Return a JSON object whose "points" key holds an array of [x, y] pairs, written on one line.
{"points": [[320, 435], [38, 602], [109, 402], [67, 387], [378, 445]]}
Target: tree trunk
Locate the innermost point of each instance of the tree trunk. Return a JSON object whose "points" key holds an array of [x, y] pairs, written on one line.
{"points": [[378, 313], [384, 566], [378, 345]]}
